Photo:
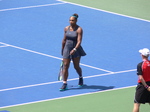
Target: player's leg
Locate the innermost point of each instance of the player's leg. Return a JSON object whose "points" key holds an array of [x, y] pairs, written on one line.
{"points": [[138, 97], [66, 65], [78, 69], [136, 107]]}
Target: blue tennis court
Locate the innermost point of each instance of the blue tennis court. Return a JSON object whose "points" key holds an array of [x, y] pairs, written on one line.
{"points": [[30, 50]]}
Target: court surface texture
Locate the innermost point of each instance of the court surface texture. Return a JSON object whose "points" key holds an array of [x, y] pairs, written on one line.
{"points": [[30, 53]]}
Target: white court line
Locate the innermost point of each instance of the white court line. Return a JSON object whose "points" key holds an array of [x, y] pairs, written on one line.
{"points": [[3, 45], [67, 97], [104, 11], [60, 58], [27, 7], [52, 56], [63, 2], [41, 84]]}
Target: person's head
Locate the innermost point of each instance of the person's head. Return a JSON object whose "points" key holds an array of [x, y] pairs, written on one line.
{"points": [[73, 19], [144, 52]]}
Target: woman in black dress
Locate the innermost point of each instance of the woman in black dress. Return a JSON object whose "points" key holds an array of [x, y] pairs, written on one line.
{"points": [[72, 50]]}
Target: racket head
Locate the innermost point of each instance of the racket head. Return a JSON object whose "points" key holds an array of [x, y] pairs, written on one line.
{"points": [[60, 75]]}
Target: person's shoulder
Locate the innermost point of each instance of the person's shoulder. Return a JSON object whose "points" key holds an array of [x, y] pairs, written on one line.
{"points": [[66, 28], [79, 28], [140, 64]]}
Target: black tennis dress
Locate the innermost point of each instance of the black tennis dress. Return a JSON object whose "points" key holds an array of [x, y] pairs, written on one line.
{"points": [[71, 42]]}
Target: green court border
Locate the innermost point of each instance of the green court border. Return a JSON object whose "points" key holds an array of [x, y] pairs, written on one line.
{"points": [[115, 100], [119, 100], [133, 8]]}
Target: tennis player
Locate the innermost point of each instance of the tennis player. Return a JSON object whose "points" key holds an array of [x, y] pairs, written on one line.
{"points": [[72, 49], [142, 94]]}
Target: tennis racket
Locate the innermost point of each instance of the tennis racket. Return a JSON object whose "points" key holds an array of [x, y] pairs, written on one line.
{"points": [[60, 75]]}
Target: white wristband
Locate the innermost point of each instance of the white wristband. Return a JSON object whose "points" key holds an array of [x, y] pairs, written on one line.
{"points": [[74, 49]]}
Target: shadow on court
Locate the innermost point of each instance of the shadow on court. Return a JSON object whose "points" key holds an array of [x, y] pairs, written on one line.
{"points": [[91, 87]]}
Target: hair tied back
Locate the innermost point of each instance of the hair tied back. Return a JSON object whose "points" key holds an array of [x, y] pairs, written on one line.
{"points": [[75, 16]]}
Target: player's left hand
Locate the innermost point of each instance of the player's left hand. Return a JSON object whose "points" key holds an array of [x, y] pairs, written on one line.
{"points": [[72, 52]]}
